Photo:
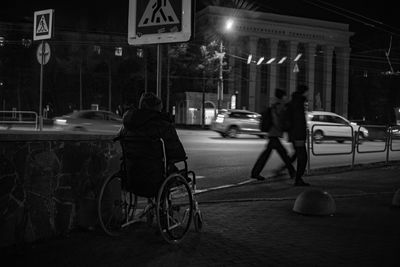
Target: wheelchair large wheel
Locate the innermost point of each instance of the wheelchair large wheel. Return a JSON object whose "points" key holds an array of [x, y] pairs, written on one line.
{"points": [[174, 208], [115, 206]]}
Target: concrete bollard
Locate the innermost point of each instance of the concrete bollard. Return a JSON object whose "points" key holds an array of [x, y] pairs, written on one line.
{"points": [[396, 199], [314, 202]]}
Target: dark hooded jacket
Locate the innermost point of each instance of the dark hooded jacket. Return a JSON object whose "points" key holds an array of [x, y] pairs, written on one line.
{"points": [[298, 128], [155, 125], [144, 161]]}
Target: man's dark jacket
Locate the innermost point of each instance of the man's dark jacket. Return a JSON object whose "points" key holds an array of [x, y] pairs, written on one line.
{"points": [[144, 158], [298, 128]]}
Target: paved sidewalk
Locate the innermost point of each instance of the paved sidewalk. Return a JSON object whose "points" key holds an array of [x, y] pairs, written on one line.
{"points": [[254, 225]]}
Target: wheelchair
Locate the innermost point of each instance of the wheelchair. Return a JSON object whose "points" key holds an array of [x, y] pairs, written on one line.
{"points": [[145, 176]]}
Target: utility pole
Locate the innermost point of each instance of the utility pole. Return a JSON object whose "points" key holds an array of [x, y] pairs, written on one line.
{"points": [[203, 117], [220, 94]]}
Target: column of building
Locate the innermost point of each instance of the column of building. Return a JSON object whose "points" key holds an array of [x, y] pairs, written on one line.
{"points": [[257, 97], [253, 41], [342, 68], [292, 76], [273, 51], [342, 80], [327, 77], [310, 72]]}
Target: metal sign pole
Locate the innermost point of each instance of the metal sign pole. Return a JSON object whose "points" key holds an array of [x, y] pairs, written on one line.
{"points": [[42, 30], [41, 89], [158, 70]]}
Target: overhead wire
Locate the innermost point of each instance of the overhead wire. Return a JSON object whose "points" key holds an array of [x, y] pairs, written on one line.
{"points": [[243, 54], [359, 15], [115, 43]]}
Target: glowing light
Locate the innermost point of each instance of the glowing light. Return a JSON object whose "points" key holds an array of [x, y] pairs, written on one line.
{"points": [[271, 60], [249, 59], [61, 121], [260, 61], [298, 57], [229, 24], [118, 51], [282, 60]]}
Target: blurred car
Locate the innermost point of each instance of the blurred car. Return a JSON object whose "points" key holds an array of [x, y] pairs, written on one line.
{"points": [[331, 126], [395, 132], [231, 122], [89, 120]]}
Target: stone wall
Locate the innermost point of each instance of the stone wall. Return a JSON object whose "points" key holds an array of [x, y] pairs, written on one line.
{"points": [[49, 182]]}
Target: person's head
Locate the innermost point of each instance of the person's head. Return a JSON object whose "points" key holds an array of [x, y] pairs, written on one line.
{"points": [[302, 89], [150, 101], [279, 93]]}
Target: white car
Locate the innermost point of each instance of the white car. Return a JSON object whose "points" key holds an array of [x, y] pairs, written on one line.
{"points": [[331, 126], [231, 122], [395, 132], [89, 120]]}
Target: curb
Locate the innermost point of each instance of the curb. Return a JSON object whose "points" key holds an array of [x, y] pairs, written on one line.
{"points": [[278, 199], [315, 172]]}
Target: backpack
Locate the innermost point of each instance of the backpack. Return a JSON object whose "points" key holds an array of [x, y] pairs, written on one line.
{"points": [[266, 120]]}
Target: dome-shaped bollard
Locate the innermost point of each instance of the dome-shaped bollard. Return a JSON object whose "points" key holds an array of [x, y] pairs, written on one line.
{"points": [[396, 199], [315, 202]]}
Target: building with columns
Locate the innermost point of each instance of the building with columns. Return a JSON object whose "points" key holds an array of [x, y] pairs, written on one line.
{"points": [[294, 50]]}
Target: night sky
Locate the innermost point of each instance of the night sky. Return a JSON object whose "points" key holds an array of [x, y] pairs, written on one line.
{"points": [[366, 18]]}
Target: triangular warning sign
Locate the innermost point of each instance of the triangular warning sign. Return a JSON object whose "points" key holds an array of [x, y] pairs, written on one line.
{"points": [[42, 26], [296, 68], [158, 13]]}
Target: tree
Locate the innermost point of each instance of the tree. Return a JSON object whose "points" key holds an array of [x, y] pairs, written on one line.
{"points": [[174, 52]]}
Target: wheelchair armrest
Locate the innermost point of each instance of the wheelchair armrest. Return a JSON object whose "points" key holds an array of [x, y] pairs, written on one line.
{"points": [[173, 161]]}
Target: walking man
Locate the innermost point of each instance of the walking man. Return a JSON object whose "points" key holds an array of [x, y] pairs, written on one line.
{"points": [[275, 132], [298, 131]]}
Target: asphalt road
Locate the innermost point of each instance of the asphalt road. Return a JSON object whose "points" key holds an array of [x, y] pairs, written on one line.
{"points": [[221, 161]]}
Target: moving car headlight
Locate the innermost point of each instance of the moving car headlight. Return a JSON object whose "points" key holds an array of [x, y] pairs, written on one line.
{"points": [[61, 121], [219, 119]]}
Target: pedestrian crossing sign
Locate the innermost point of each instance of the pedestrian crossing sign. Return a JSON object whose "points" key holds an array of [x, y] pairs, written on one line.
{"points": [[159, 21], [158, 14], [43, 24]]}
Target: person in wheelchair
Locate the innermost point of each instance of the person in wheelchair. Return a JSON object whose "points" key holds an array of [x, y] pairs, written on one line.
{"points": [[144, 164]]}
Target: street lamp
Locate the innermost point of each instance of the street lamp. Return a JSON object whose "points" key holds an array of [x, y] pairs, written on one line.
{"points": [[228, 27], [229, 24]]}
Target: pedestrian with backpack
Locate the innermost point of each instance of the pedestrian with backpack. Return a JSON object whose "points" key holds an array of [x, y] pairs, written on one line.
{"points": [[298, 132], [271, 122]]}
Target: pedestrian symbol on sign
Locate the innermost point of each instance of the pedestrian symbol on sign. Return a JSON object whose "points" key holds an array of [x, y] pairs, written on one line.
{"points": [[159, 21], [158, 12], [42, 26]]}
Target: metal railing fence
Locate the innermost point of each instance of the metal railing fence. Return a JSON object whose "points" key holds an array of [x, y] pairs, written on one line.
{"points": [[14, 117], [387, 136]]}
